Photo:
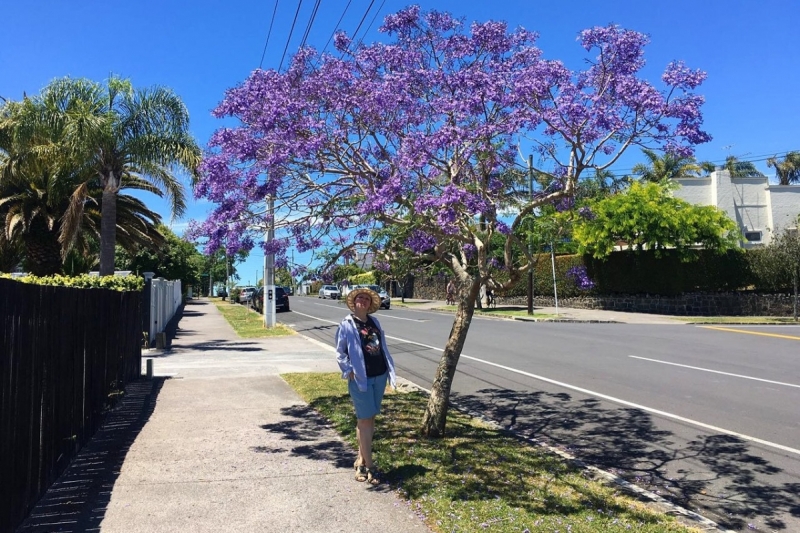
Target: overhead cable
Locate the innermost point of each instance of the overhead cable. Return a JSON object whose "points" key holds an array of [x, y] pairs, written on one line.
{"points": [[291, 31], [268, 34]]}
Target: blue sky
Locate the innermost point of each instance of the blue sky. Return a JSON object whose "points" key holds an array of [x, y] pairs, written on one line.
{"points": [[199, 48]]}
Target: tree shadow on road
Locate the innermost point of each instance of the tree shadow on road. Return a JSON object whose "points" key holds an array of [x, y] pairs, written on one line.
{"points": [[716, 475]]}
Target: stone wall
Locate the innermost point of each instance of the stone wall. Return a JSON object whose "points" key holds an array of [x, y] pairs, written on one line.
{"points": [[697, 304], [693, 304]]}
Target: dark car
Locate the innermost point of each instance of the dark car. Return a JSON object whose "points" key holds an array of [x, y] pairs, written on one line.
{"points": [[281, 300]]}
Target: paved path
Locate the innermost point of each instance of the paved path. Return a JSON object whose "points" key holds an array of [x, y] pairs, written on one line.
{"points": [[219, 442]]}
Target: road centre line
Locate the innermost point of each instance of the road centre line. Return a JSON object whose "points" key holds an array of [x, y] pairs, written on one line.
{"points": [[381, 315], [752, 332], [716, 371], [603, 396]]}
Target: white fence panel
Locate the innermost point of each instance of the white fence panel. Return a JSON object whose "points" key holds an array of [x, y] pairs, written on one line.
{"points": [[165, 299]]}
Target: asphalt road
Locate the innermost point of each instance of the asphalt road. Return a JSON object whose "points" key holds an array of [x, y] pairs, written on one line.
{"points": [[708, 417]]}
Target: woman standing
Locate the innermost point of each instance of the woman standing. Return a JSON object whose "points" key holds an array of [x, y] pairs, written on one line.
{"points": [[364, 359]]}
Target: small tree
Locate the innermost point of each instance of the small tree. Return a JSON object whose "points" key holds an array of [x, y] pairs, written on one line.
{"points": [[648, 217], [778, 264], [421, 134]]}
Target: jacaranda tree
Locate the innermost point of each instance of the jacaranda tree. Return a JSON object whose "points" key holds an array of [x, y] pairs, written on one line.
{"points": [[422, 132]]}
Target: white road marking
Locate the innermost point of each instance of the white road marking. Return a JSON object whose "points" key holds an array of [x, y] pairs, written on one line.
{"points": [[717, 372], [380, 315], [607, 397]]}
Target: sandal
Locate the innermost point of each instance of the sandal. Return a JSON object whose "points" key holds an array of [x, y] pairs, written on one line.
{"points": [[362, 473], [373, 476]]}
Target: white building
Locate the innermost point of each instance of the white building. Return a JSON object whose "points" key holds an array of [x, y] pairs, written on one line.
{"points": [[761, 210]]}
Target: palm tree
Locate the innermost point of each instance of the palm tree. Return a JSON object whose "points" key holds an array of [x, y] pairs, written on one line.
{"points": [[32, 186], [788, 170], [121, 136], [50, 204], [741, 169], [666, 167]]}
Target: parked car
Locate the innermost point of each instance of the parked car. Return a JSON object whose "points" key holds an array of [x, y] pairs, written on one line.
{"points": [[330, 291], [386, 301], [245, 294], [281, 300]]}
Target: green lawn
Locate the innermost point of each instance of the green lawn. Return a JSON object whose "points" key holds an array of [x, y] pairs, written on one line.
{"points": [[479, 478], [247, 323]]}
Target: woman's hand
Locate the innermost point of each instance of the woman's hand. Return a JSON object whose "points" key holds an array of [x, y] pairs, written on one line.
{"points": [[352, 375]]}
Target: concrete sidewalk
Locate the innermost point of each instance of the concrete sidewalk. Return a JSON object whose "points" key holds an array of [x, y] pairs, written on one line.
{"points": [[218, 442], [563, 314]]}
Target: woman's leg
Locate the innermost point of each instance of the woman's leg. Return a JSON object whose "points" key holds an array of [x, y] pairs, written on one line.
{"points": [[365, 429]]}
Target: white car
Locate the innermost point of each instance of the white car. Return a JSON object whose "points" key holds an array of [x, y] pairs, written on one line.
{"points": [[330, 291], [246, 293]]}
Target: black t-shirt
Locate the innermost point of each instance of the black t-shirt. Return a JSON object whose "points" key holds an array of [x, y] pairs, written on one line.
{"points": [[374, 359]]}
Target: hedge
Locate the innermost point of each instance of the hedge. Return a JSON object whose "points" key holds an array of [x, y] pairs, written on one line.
{"points": [[85, 281]]}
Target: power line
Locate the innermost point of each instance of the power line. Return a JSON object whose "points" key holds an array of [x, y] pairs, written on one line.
{"points": [[372, 21], [372, 2], [291, 31], [310, 23], [336, 27], [268, 34]]}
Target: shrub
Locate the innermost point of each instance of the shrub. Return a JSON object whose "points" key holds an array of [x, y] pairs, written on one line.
{"points": [[85, 281]]}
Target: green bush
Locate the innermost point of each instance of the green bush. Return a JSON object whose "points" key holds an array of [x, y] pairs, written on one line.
{"points": [[367, 278], [85, 281]]}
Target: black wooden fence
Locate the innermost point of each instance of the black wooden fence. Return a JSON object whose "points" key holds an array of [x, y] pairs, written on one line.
{"points": [[65, 356]]}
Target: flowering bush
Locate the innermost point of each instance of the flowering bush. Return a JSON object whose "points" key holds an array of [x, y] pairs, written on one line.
{"points": [[580, 278]]}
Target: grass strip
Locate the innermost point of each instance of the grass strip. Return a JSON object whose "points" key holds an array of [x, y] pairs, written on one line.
{"points": [[246, 322], [479, 478]]}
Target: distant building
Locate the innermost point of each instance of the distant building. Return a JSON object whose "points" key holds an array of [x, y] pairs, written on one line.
{"points": [[761, 210], [364, 260]]}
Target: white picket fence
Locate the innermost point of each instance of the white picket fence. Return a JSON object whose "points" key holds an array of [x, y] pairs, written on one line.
{"points": [[165, 299]]}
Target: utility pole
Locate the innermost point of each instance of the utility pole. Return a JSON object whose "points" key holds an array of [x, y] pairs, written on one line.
{"points": [[530, 237], [269, 266]]}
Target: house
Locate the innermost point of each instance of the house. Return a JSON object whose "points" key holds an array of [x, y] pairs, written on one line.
{"points": [[761, 210]]}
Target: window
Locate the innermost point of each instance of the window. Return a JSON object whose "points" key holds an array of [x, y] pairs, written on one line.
{"points": [[752, 236]]}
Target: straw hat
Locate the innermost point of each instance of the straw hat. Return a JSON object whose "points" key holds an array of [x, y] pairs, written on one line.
{"points": [[376, 300]]}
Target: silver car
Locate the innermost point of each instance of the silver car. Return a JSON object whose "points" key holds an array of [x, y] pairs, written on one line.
{"points": [[330, 291], [246, 293]]}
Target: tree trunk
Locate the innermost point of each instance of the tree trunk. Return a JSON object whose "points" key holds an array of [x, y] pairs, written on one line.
{"points": [[435, 417], [795, 294], [108, 231], [42, 250]]}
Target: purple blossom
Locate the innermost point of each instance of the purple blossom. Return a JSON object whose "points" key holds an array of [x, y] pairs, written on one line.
{"points": [[470, 251], [502, 227], [423, 127], [420, 242], [580, 278], [565, 204]]}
